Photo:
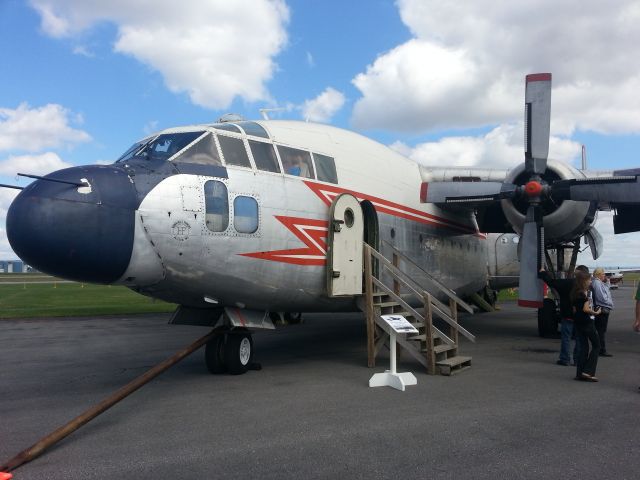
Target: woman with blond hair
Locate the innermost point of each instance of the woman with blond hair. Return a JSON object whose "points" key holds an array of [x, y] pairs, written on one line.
{"points": [[602, 298], [583, 318]]}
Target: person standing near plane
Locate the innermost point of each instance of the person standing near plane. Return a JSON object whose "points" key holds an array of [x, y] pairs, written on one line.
{"points": [[562, 290], [602, 298], [583, 317]]}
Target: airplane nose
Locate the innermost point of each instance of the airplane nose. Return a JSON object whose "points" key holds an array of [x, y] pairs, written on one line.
{"points": [[78, 233]]}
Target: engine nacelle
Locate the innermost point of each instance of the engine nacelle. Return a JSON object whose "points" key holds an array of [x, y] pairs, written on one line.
{"points": [[562, 222]]}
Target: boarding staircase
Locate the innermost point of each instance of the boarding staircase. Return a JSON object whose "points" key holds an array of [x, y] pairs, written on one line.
{"points": [[435, 348]]}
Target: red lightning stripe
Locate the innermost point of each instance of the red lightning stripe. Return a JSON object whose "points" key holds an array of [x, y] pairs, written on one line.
{"points": [[313, 233], [327, 193]]}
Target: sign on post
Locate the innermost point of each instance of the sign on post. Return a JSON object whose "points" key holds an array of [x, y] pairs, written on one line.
{"points": [[391, 378]]}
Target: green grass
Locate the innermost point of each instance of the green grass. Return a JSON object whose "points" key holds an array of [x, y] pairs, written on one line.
{"points": [[29, 299]]}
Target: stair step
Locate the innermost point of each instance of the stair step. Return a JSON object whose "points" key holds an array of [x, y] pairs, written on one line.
{"points": [[454, 365], [444, 347], [386, 304]]}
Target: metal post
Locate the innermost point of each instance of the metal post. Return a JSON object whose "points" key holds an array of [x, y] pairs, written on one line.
{"points": [[371, 328], [392, 346]]}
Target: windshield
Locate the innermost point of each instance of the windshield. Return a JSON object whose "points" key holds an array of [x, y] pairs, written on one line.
{"points": [[132, 151], [162, 147]]}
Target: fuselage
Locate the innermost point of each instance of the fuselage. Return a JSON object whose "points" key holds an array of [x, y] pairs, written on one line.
{"points": [[204, 226]]}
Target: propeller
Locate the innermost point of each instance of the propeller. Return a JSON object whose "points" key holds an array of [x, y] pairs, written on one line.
{"points": [[622, 189]]}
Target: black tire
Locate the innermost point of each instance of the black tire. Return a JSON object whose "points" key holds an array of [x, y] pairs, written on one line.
{"points": [[213, 355], [548, 319], [490, 295], [238, 352]]}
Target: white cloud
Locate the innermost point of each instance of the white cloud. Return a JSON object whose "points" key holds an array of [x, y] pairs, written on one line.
{"points": [[324, 106], [41, 164], [214, 50], [466, 64], [502, 147], [33, 129]]}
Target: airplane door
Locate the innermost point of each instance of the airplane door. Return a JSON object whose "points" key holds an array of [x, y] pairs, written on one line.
{"points": [[344, 248]]}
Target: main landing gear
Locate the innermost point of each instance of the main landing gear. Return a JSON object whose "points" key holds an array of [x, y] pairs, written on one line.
{"points": [[230, 351]]}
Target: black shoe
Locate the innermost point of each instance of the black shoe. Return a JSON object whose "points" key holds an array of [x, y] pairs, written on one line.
{"points": [[564, 364], [605, 354]]}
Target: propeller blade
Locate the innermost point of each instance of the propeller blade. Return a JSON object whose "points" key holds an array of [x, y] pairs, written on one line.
{"points": [[465, 192], [594, 239], [537, 120], [603, 190], [530, 293]]}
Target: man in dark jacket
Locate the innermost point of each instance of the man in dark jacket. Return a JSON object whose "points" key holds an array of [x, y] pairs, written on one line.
{"points": [[562, 290]]}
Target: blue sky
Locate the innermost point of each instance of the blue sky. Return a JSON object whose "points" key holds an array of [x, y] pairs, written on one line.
{"points": [[441, 82]]}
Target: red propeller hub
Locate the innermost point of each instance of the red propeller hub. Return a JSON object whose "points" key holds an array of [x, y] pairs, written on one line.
{"points": [[533, 188]]}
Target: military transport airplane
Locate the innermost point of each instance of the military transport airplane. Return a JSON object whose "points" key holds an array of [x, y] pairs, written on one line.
{"points": [[237, 219]]}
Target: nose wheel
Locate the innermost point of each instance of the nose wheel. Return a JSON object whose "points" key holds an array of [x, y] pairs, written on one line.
{"points": [[230, 352]]}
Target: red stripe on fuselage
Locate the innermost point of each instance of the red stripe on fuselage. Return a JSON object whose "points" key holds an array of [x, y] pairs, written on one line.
{"points": [[313, 233], [326, 193]]}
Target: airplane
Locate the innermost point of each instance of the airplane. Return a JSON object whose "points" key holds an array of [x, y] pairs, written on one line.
{"points": [[234, 220]]}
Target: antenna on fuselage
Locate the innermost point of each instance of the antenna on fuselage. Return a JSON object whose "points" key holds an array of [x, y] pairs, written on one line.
{"points": [[584, 157], [265, 112]]}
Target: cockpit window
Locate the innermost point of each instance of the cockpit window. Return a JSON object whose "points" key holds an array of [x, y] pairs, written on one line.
{"points": [[203, 152], [252, 128], [233, 151], [296, 162], [325, 168], [230, 127], [163, 146], [264, 156], [132, 150]]}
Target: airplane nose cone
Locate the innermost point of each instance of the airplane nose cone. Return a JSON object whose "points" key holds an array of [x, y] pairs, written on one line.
{"points": [[82, 234]]}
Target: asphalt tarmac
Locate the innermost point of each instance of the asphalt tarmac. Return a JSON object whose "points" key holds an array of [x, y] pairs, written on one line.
{"points": [[309, 413]]}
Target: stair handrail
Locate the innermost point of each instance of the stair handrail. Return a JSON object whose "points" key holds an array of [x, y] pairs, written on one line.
{"points": [[414, 312], [443, 288], [438, 307]]}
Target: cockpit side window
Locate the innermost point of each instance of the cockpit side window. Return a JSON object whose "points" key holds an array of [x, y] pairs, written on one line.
{"points": [[233, 151], [216, 205], [203, 152], [264, 156], [325, 168], [296, 162]]}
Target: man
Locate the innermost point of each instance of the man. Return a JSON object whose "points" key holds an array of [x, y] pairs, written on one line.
{"points": [[602, 298], [562, 290]]}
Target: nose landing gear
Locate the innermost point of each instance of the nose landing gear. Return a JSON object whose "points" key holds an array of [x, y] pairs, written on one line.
{"points": [[231, 351]]}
